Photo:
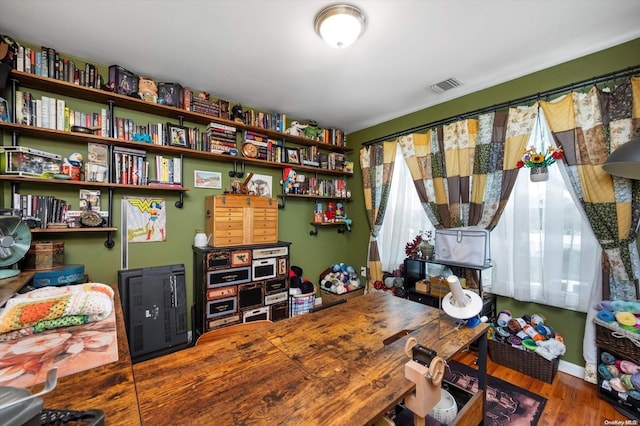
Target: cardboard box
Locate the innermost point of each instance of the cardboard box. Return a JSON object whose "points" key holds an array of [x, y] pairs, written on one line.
{"points": [[44, 255], [24, 161]]}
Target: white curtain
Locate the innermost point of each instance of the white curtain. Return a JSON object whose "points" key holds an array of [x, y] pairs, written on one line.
{"points": [[543, 249], [403, 219]]}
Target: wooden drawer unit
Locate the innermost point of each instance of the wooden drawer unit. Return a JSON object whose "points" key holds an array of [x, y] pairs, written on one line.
{"points": [[238, 284], [233, 220]]}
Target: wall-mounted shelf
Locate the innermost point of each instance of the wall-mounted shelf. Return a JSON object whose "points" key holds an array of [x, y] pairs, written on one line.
{"points": [[342, 227], [308, 197]]}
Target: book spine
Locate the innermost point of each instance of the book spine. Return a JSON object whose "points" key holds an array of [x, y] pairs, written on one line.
{"points": [[60, 109], [20, 59]]}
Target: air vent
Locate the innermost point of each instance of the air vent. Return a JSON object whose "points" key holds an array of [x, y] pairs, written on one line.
{"points": [[445, 85]]}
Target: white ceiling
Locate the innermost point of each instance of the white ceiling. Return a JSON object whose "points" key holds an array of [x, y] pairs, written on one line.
{"points": [[265, 53]]}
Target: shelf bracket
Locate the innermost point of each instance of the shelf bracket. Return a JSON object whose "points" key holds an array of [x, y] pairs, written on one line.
{"points": [[180, 203], [110, 243], [314, 232]]}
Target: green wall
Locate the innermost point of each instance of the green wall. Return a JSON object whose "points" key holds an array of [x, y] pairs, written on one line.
{"points": [[568, 323]]}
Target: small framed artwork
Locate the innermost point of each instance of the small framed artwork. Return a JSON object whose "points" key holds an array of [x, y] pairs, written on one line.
{"points": [[293, 156], [203, 179], [177, 135], [282, 266], [260, 185], [240, 258]]}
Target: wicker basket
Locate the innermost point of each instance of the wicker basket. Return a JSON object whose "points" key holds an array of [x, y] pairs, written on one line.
{"points": [[525, 362], [615, 339]]}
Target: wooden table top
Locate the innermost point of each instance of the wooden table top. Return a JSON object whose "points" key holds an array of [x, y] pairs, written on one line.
{"points": [[109, 387], [327, 367]]}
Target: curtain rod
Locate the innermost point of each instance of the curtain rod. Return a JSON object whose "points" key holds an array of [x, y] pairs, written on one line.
{"points": [[591, 81]]}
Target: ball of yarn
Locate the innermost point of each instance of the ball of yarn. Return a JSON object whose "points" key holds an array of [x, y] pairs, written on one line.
{"points": [[626, 381], [604, 372], [630, 328], [613, 370], [626, 318], [605, 304], [616, 384], [634, 394], [606, 316], [635, 381], [607, 358], [629, 367]]}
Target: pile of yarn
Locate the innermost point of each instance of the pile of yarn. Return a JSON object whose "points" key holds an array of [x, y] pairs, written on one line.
{"points": [[626, 313], [528, 332], [619, 375], [340, 279]]}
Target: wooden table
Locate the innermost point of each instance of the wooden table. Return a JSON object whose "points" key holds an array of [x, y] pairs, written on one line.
{"points": [[329, 367], [109, 388]]}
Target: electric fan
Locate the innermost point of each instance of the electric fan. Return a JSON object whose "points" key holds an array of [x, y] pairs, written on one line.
{"points": [[15, 241]]}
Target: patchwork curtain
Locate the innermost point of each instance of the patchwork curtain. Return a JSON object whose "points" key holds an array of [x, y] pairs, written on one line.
{"points": [[464, 171], [376, 162], [589, 126]]}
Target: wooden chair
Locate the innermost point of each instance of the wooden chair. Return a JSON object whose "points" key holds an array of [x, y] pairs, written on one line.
{"points": [[223, 332]]}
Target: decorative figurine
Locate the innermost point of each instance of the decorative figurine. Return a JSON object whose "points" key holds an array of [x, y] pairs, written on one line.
{"points": [[312, 131], [236, 114], [296, 129]]}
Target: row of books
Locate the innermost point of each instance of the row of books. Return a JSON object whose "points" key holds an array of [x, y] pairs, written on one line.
{"points": [[47, 63], [130, 166], [41, 209], [265, 120], [168, 170], [51, 113], [322, 187]]}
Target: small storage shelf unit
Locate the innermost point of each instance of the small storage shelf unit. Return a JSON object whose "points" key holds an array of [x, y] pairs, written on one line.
{"points": [[340, 224], [238, 284], [623, 345], [416, 270]]}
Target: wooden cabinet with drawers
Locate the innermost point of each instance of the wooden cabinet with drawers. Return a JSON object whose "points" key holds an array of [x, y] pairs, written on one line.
{"points": [[234, 220], [240, 284]]}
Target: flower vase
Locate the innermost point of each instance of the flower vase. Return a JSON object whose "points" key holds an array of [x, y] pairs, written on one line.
{"points": [[426, 251], [539, 174]]}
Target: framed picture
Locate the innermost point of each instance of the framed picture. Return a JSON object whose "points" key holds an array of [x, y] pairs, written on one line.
{"points": [[203, 179], [260, 185], [282, 266], [177, 135], [4, 110], [293, 155], [240, 258]]}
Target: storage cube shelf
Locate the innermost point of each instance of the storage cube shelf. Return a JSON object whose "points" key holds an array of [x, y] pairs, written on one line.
{"points": [[624, 346]]}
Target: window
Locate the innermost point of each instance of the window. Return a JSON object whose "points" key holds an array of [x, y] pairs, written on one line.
{"points": [[542, 250]]}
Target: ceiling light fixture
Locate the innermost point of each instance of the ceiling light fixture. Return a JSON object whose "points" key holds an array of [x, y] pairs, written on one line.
{"points": [[340, 25], [625, 160]]}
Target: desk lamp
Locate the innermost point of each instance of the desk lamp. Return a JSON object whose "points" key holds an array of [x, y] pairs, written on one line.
{"points": [[460, 304]]}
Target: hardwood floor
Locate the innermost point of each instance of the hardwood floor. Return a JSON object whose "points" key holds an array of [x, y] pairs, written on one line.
{"points": [[570, 400]]}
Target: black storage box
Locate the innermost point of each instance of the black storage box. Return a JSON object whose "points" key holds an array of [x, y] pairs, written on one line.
{"points": [[126, 82]]}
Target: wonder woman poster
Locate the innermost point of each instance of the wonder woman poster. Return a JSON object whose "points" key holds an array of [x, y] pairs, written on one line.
{"points": [[146, 219]]}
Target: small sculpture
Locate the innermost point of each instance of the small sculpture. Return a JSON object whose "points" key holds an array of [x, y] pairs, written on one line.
{"points": [[296, 129]]}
